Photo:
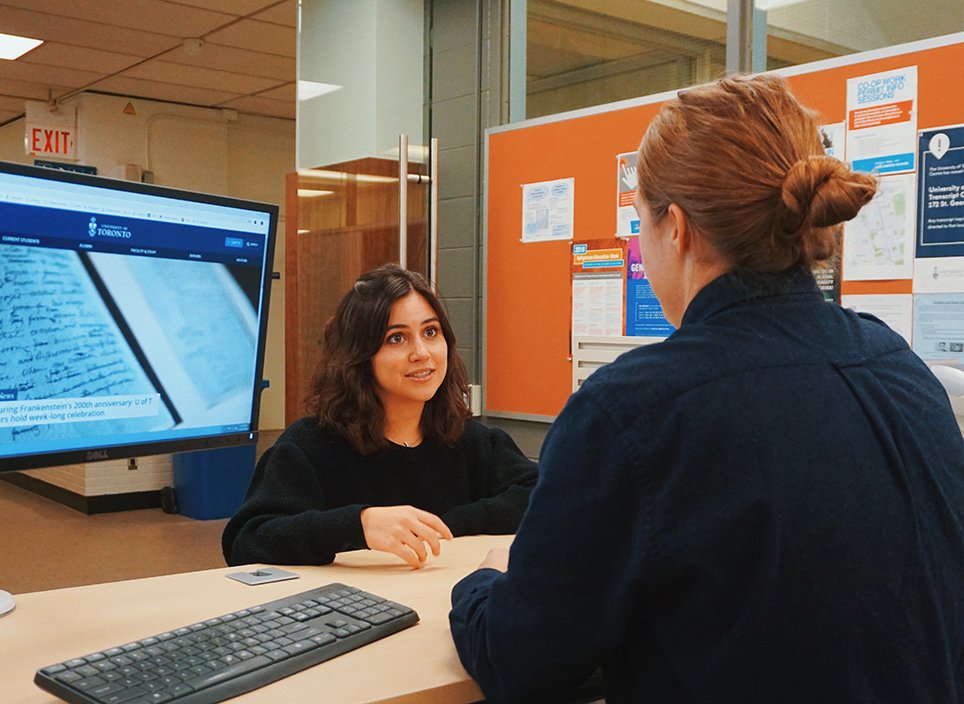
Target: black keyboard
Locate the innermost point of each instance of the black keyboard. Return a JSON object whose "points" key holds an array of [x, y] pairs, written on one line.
{"points": [[225, 656]]}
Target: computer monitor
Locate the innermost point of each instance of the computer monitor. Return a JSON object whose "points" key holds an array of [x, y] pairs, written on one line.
{"points": [[132, 317]]}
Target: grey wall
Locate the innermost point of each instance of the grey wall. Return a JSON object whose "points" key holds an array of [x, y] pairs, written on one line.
{"points": [[467, 93], [454, 49]]}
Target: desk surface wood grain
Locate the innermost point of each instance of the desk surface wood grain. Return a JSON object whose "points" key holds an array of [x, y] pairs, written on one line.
{"points": [[418, 664]]}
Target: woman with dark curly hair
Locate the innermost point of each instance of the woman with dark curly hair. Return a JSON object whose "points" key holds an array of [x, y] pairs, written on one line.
{"points": [[388, 459]]}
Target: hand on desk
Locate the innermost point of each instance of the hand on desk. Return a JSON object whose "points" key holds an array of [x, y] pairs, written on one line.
{"points": [[497, 559], [403, 531]]}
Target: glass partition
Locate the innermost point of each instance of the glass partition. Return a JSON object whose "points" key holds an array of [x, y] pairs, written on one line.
{"points": [[581, 53], [800, 31]]}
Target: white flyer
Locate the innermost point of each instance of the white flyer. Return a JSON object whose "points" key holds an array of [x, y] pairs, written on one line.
{"points": [[882, 121], [547, 210]]}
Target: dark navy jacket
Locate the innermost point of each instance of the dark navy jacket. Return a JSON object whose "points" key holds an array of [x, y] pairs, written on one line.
{"points": [[766, 507]]}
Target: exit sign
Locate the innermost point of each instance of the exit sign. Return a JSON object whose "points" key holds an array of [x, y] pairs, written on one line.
{"points": [[52, 140]]}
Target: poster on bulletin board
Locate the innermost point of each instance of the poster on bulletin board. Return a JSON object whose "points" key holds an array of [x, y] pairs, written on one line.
{"points": [[598, 281], [627, 220], [547, 209], [644, 315], [896, 112]]}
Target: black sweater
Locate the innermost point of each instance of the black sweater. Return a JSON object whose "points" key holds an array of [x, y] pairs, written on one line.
{"points": [[307, 493]]}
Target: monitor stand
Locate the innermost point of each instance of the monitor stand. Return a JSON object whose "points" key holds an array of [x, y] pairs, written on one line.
{"points": [[6, 602]]}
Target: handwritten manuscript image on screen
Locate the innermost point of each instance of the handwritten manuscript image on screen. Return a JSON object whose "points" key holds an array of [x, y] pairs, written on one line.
{"points": [[79, 344]]}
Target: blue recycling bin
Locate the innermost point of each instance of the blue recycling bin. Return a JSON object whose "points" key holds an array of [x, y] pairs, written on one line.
{"points": [[212, 483]]}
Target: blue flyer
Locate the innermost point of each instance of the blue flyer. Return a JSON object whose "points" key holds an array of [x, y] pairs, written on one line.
{"points": [[644, 314], [940, 179]]}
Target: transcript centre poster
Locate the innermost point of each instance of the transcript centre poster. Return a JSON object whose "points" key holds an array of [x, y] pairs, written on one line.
{"points": [[939, 269], [940, 225]]}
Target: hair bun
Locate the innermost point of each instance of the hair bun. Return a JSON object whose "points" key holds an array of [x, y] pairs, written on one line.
{"points": [[821, 191], [767, 198], [800, 187]]}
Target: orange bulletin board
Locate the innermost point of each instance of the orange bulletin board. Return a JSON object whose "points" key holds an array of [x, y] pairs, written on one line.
{"points": [[527, 366]]}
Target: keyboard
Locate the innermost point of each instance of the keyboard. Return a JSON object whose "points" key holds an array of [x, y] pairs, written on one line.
{"points": [[225, 656]]}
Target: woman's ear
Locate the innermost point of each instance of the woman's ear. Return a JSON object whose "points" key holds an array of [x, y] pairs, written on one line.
{"points": [[688, 242], [679, 233]]}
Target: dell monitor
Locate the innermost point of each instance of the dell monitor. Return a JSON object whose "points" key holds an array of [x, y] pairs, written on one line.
{"points": [[132, 317]]}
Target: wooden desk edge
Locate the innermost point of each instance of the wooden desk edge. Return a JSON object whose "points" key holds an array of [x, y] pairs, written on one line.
{"points": [[53, 626]]}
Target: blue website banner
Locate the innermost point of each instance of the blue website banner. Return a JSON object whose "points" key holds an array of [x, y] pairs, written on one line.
{"points": [[940, 180], [63, 229]]}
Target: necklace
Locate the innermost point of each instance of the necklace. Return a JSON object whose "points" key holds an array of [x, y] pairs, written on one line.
{"points": [[407, 435], [403, 443]]}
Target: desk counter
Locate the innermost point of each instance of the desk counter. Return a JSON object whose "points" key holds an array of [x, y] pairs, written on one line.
{"points": [[418, 664]]}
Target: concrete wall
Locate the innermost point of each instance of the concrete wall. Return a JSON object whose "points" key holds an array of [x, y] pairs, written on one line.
{"points": [[468, 93]]}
